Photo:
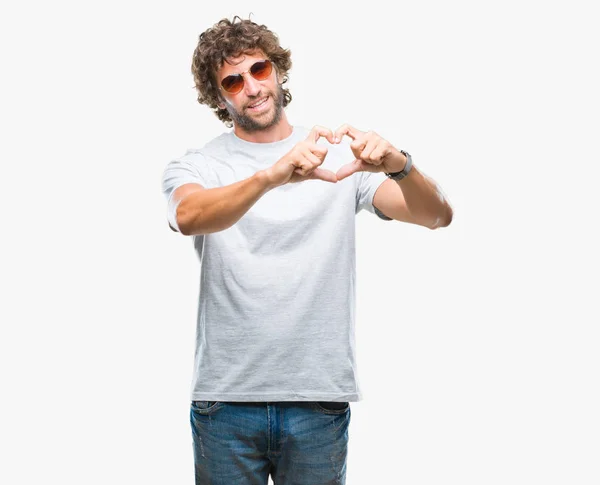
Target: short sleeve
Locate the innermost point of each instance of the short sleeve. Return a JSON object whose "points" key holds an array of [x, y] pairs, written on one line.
{"points": [[178, 172], [367, 184]]}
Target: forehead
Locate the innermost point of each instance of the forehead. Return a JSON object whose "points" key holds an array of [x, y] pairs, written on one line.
{"points": [[240, 63]]}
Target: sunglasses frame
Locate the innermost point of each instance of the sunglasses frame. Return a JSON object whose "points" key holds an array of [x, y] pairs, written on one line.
{"points": [[241, 74]]}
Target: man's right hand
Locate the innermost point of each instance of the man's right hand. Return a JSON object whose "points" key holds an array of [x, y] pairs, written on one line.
{"points": [[302, 162]]}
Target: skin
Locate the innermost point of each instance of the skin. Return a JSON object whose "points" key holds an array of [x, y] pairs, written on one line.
{"points": [[267, 126], [416, 198]]}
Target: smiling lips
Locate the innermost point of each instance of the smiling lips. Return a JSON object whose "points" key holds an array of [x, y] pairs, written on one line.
{"points": [[259, 105]]}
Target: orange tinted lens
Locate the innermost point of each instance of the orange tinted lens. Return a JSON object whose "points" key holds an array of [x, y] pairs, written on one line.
{"points": [[261, 70], [233, 83]]}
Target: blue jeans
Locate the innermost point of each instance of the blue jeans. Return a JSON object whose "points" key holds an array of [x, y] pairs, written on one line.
{"points": [[295, 442]]}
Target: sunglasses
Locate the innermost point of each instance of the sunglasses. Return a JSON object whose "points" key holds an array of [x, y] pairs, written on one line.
{"points": [[260, 71]]}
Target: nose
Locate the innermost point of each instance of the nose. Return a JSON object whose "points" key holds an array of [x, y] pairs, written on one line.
{"points": [[251, 85]]}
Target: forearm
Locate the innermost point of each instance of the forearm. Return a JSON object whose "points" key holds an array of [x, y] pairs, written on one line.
{"points": [[425, 200], [216, 209]]}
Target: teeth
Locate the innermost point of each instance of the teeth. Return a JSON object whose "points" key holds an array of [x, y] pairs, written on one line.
{"points": [[261, 102]]}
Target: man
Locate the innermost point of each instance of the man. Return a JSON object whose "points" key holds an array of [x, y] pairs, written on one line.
{"points": [[272, 212]]}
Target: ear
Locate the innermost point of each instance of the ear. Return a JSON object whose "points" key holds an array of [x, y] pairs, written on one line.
{"points": [[221, 101], [278, 80], [221, 104]]}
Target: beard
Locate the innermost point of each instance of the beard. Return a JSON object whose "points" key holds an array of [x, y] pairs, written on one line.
{"points": [[249, 123]]}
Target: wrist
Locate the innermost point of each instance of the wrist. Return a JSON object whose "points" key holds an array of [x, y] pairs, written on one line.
{"points": [[265, 178], [400, 174], [398, 163]]}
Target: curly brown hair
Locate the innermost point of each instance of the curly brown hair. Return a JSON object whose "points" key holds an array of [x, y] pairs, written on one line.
{"points": [[227, 39]]}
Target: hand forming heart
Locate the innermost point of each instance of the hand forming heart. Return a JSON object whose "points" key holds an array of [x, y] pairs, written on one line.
{"points": [[303, 161], [372, 152]]}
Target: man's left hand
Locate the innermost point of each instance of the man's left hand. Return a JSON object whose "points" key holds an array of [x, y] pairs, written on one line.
{"points": [[372, 153]]}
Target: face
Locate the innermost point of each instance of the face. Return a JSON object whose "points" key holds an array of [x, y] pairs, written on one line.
{"points": [[238, 105]]}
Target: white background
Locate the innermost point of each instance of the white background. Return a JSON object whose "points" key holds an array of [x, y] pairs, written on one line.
{"points": [[477, 343]]}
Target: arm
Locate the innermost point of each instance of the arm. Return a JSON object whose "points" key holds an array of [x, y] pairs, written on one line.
{"points": [[416, 199], [202, 211]]}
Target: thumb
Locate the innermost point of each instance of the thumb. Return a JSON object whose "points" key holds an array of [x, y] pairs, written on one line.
{"points": [[322, 174], [357, 165]]}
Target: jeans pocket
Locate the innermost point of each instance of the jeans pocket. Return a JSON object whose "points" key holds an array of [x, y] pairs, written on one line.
{"points": [[332, 407], [206, 407]]}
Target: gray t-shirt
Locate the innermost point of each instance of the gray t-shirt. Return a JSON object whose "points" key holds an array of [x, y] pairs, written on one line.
{"points": [[276, 308]]}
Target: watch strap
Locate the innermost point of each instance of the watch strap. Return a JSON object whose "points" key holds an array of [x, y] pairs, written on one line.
{"points": [[404, 172]]}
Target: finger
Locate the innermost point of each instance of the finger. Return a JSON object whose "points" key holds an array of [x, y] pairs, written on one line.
{"points": [[318, 132], [315, 160], [303, 165], [357, 165], [315, 173], [319, 151], [359, 145], [369, 148], [323, 174], [308, 163], [349, 130], [380, 152]]}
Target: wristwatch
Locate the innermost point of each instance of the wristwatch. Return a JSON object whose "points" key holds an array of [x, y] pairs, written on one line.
{"points": [[400, 175]]}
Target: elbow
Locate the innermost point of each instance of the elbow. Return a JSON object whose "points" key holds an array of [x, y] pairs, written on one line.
{"points": [[192, 223], [182, 221], [443, 220], [444, 217], [190, 219], [449, 215]]}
